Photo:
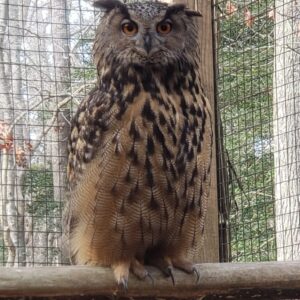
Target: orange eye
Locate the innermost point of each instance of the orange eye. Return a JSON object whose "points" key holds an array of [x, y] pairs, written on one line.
{"points": [[164, 27], [129, 28]]}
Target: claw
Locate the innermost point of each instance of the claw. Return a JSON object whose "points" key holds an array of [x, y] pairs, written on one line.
{"points": [[150, 276], [123, 285], [169, 273], [196, 272], [164, 264], [121, 272], [186, 266], [139, 270]]}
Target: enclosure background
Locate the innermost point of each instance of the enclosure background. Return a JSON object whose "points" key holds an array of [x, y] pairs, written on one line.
{"points": [[258, 67], [45, 71]]}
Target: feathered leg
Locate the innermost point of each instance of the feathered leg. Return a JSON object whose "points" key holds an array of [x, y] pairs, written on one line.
{"points": [[121, 272]]}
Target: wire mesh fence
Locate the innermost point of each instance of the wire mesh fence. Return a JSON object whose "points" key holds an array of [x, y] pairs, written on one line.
{"points": [[46, 69], [258, 99]]}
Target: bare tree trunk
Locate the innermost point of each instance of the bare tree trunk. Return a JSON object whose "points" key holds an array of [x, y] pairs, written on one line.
{"points": [[11, 89], [7, 197], [4, 102], [16, 205], [12, 103], [287, 129], [60, 131], [60, 135]]}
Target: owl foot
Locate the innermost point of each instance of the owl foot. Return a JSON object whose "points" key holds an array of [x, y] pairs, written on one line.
{"points": [[121, 272], [164, 264], [140, 271], [169, 273], [186, 267]]}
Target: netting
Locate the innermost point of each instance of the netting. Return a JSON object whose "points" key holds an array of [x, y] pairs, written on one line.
{"points": [[45, 71]]}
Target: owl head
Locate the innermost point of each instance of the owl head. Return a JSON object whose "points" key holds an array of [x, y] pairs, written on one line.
{"points": [[145, 33]]}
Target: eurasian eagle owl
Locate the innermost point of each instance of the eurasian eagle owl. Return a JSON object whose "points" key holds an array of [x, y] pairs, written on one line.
{"points": [[141, 143]]}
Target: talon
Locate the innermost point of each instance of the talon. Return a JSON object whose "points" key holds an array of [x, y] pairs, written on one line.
{"points": [[169, 273], [196, 272], [164, 264], [123, 284], [139, 270], [186, 266], [150, 276], [121, 272]]}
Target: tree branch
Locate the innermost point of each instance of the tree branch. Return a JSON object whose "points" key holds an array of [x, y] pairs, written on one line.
{"points": [[54, 116]]}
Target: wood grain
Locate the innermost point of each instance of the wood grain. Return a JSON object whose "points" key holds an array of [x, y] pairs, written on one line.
{"points": [[210, 250], [217, 281]]}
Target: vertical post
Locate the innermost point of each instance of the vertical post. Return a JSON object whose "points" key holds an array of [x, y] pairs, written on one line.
{"points": [[210, 249], [286, 126]]}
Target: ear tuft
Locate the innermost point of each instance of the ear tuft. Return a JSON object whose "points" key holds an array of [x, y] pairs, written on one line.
{"points": [[176, 8], [193, 13], [107, 5]]}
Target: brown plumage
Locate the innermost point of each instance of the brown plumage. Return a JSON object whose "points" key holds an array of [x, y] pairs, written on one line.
{"points": [[140, 144]]}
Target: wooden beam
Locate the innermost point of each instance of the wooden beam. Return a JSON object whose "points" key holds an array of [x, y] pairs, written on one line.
{"points": [[210, 250], [272, 280]]}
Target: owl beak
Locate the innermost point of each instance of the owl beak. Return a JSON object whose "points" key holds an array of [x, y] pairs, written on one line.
{"points": [[147, 42]]}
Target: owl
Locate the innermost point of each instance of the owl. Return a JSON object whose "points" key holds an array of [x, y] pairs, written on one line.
{"points": [[140, 146]]}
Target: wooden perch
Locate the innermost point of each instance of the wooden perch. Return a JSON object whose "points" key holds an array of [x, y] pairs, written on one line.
{"points": [[271, 280]]}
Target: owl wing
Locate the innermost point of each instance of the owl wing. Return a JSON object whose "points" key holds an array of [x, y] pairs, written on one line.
{"points": [[88, 125], [87, 129], [194, 185]]}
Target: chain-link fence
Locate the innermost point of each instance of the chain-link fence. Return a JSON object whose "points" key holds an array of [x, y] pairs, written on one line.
{"points": [[45, 71]]}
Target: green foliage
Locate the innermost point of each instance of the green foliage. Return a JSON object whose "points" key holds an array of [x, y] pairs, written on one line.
{"points": [[38, 184], [84, 50], [87, 73], [245, 63]]}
